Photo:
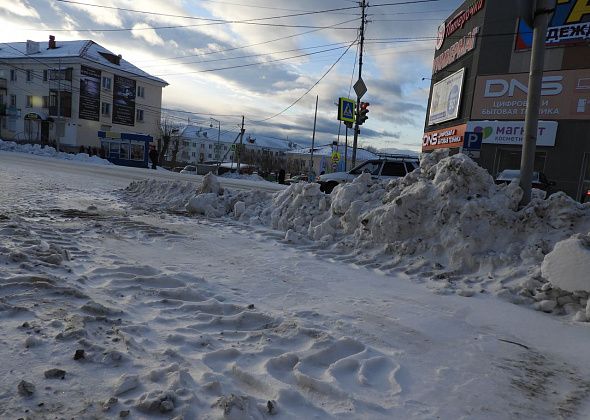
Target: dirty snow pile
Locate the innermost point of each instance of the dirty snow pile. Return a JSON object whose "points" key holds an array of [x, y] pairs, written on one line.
{"points": [[447, 222], [157, 195], [36, 149]]}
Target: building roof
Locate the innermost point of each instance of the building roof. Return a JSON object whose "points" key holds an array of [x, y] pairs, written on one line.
{"points": [[85, 49], [199, 133], [326, 150]]}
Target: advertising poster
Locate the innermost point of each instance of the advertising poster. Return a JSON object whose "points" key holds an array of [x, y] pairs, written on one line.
{"points": [[89, 108], [446, 98], [512, 132], [565, 95], [570, 25], [124, 101]]}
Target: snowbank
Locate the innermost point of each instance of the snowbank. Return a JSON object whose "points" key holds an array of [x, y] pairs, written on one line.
{"points": [[447, 221], [568, 265], [35, 149], [252, 177]]}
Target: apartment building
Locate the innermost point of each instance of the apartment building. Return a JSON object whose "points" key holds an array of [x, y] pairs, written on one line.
{"points": [[66, 92]]}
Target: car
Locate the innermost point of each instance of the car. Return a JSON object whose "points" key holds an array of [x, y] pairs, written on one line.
{"points": [[189, 169], [586, 197], [385, 167], [540, 181], [295, 179]]}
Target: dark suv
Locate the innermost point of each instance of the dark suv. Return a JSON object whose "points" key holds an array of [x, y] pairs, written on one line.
{"points": [[385, 167]]}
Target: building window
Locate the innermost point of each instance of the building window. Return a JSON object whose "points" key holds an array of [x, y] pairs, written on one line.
{"points": [[46, 102], [12, 100], [209, 155], [210, 146], [140, 91], [44, 75], [194, 154], [29, 75], [139, 115], [13, 75], [106, 83], [106, 109], [29, 101]]}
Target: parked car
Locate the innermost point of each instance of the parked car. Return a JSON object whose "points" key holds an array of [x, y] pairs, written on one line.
{"points": [[189, 169], [540, 181], [295, 179], [586, 197], [386, 167]]}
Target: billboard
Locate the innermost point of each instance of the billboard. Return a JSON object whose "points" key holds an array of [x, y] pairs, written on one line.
{"points": [[446, 98], [565, 96], [512, 132], [124, 101], [445, 138], [89, 108], [570, 25]]}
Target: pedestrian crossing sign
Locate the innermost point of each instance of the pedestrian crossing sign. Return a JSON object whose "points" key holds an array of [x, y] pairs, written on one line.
{"points": [[346, 109]]}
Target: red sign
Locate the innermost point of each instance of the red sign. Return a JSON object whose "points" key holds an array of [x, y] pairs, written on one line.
{"points": [[444, 138], [445, 30]]}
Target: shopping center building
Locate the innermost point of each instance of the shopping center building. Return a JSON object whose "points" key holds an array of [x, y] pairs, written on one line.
{"points": [[480, 82]]}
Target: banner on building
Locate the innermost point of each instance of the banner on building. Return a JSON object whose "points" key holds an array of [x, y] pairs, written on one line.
{"points": [[89, 108], [445, 138], [512, 132], [446, 98], [124, 101], [570, 25], [565, 96]]}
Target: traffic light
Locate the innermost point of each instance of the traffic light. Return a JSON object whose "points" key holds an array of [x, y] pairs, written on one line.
{"points": [[363, 111]]}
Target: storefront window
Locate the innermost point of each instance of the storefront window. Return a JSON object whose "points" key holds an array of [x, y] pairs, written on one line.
{"points": [[137, 151], [125, 149], [114, 150]]}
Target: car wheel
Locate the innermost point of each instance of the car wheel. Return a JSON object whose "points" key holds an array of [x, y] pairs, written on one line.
{"points": [[328, 187]]}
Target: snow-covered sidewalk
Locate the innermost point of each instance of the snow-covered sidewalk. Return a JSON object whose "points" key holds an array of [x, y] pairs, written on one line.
{"points": [[109, 310]]}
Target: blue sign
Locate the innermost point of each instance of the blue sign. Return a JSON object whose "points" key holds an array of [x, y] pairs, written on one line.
{"points": [[473, 141]]}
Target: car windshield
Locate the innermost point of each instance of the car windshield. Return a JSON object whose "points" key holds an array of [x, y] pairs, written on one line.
{"points": [[370, 167], [511, 174]]}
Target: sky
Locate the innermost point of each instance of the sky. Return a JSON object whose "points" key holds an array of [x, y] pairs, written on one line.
{"points": [[219, 66]]}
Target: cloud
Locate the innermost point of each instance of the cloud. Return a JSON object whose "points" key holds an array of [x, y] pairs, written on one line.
{"points": [[143, 31]]}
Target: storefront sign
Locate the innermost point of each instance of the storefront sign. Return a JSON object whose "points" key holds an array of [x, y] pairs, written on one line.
{"points": [[456, 51], [512, 132], [570, 24], [565, 96], [445, 30], [89, 108], [445, 138], [446, 98], [124, 101]]}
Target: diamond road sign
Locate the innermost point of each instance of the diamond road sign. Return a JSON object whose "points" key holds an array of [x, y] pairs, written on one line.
{"points": [[346, 109], [360, 88]]}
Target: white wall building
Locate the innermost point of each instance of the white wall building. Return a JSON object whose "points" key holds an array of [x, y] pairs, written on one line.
{"points": [[198, 145], [93, 88]]}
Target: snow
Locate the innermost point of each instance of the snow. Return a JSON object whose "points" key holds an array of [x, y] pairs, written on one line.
{"points": [[36, 149], [568, 265], [196, 317], [251, 177]]}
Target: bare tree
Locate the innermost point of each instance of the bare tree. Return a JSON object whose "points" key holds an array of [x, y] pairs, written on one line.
{"points": [[169, 139]]}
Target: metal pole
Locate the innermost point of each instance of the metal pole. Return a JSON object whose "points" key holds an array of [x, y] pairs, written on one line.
{"points": [[57, 145], [240, 146], [543, 11], [346, 149], [311, 177], [358, 99], [219, 138]]}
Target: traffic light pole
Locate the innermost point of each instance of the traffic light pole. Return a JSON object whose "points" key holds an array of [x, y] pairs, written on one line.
{"points": [[358, 99], [542, 15]]}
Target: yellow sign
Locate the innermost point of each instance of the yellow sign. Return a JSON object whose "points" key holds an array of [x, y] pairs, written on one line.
{"points": [[335, 157]]}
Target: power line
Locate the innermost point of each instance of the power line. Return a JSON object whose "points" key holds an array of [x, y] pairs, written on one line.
{"points": [[401, 3], [310, 89], [254, 64], [249, 45]]}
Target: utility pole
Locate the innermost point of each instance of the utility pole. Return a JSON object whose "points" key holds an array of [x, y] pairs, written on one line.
{"points": [[311, 176], [57, 145], [358, 98], [543, 11], [239, 151]]}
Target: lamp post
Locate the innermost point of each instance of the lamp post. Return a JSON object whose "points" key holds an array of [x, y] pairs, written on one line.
{"points": [[218, 148]]}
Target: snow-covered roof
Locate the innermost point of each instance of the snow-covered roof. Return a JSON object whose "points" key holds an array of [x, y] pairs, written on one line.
{"points": [[199, 133], [84, 49], [326, 150]]}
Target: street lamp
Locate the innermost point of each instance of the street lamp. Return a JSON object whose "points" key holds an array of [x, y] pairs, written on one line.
{"points": [[218, 151]]}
